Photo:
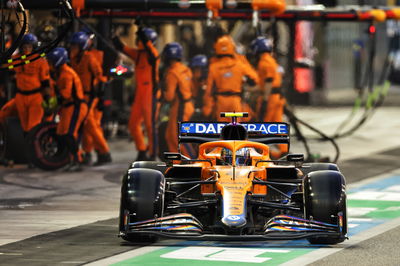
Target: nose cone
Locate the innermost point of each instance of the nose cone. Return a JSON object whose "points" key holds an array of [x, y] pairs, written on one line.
{"points": [[234, 221]]}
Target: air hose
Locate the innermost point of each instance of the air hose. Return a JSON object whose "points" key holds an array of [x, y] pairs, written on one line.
{"points": [[294, 121], [375, 96], [41, 52], [7, 54]]}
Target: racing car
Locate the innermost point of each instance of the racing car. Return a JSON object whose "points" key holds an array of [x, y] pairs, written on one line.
{"points": [[233, 190]]}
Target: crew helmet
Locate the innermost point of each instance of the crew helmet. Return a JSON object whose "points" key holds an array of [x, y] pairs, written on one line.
{"points": [[81, 39], [261, 45], [199, 60], [173, 50], [224, 46], [29, 38], [58, 56], [151, 34]]}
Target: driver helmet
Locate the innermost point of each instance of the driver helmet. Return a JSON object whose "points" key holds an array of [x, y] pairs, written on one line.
{"points": [[226, 156], [243, 157]]}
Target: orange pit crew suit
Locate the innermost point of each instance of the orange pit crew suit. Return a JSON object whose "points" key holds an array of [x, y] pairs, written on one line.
{"points": [[31, 79], [198, 87], [199, 67], [146, 58], [271, 103], [245, 105], [178, 91], [73, 108], [8, 110], [97, 112], [90, 72], [225, 81]]}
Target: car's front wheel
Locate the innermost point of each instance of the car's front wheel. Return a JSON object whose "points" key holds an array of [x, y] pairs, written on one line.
{"points": [[142, 198], [325, 201]]}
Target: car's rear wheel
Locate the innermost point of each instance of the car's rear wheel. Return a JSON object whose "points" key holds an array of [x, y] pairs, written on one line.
{"points": [[142, 198], [325, 201]]}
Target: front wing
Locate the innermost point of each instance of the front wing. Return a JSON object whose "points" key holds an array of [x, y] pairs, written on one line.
{"points": [[186, 226]]}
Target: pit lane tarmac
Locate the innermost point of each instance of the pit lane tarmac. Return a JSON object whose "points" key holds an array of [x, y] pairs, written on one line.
{"points": [[96, 241]]}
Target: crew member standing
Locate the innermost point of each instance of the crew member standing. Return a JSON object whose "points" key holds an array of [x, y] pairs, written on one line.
{"points": [[225, 81], [98, 110], [146, 58], [199, 67], [270, 105], [91, 75], [246, 97], [177, 91], [32, 79], [73, 107]]}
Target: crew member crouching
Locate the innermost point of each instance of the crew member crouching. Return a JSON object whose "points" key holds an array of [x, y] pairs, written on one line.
{"points": [[73, 107]]}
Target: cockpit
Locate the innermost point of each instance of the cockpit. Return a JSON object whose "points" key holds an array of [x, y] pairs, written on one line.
{"points": [[225, 155]]}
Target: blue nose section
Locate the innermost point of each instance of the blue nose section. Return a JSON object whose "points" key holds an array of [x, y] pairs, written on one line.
{"points": [[234, 220]]}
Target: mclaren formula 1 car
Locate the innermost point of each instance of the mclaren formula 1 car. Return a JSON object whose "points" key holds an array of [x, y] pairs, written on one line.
{"points": [[233, 190]]}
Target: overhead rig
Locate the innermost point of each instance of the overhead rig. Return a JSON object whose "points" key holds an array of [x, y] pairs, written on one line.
{"points": [[292, 13], [224, 9]]}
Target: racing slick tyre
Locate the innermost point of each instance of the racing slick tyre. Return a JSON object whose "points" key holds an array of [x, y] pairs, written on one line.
{"points": [[46, 149], [325, 201], [2, 143], [142, 198], [311, 167], [159, 166], [13, 141]]}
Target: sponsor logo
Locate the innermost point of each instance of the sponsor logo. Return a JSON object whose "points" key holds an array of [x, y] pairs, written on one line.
{"points": [[186, 128], [215, 128], [233, 217], [227, 75]]}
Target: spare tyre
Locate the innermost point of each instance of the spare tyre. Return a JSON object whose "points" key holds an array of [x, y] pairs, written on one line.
{"points": [[14, 147], [46, 149]]}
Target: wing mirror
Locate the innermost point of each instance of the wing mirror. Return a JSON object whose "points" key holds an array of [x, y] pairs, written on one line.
{"points": [[169, 157], [296, 158]]}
